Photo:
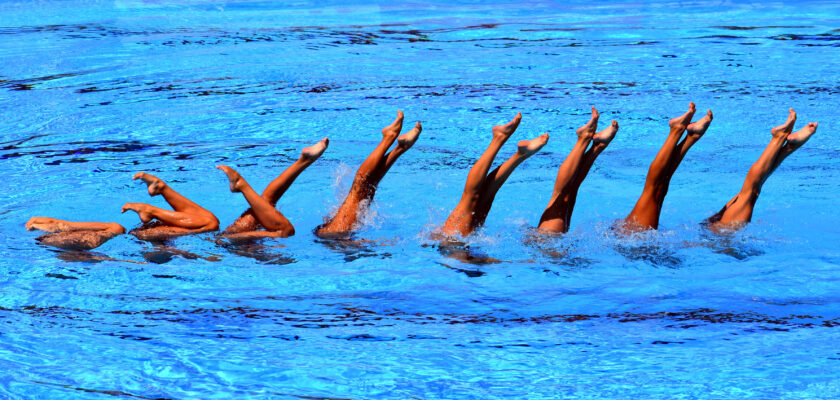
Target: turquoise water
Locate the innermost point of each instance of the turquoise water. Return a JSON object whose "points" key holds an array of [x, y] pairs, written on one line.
{"points": [[92, 92]]}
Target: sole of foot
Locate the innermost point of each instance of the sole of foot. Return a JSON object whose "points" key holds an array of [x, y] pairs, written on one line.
{"points": [[313, 152], [698, 128], [606, 135], [801, 136], [155, 184], [529, 147], [407, 140]]}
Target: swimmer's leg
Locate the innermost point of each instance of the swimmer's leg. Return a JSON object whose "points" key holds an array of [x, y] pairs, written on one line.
{"points": [[554, 218], [460, 220], [74, 235], [739, 209], [187, 214], [363, 187], [247, 222], [265, 213], [599, 143], [497, 177], [645, 214]]}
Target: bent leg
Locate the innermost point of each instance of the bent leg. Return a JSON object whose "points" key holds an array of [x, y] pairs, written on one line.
{"points": [[247, 222], [70, 235], [190, 221], [265, 213], [645, 214], [187, 214], [58, 225]]}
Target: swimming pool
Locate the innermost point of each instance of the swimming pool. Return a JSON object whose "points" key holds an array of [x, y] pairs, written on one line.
{"points": [[95, 91]]}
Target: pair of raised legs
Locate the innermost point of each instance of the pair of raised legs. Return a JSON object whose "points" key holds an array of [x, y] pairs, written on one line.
{"points": [[738, 211], [645, 214], [558, 214], [481, 186], [367, 177]]}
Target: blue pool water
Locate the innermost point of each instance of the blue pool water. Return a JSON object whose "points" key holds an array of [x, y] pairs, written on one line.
{"points": [[94, 91]]}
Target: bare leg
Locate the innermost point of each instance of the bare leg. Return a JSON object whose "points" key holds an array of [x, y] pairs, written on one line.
{"points": [[187, 214], [368, 175], [74, 235], [599, 143], [554, 218], [645, 214], [247, 222], [496, 178], [738, 211], [460, 220], [265, 213]]}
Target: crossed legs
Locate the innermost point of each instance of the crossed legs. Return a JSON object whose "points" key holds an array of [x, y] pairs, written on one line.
{"points": [[557, 216], [70, 235], [372, 170], [481, 186], [645, 214], [738, 211], [262, 212], [187, 217]]}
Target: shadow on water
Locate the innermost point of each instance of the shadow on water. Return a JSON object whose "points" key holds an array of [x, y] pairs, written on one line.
{"points": [[257, 249], [164, 252], [452, 248], [558, 249], [352, 248], [730, 243]]}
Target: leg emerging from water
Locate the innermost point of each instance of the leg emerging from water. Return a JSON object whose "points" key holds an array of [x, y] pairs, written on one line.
{"points": [[481, 186], [645, 214], [738, 211], [187, 217], [70, 235], [557, 215], [262, 212], [369, 174]]}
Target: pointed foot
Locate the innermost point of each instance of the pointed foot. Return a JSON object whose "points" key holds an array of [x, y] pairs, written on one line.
{"points": [[503, 132], [782, 131], [235, 180], [588, 130], [698, 128], [606, 136], [394, 129], [409, 138], [682, 121], [141, 210], [313, 152], [798, 138], [155, 184], [529, 147]]}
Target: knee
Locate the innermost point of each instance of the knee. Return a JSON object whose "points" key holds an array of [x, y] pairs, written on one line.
{"points": [[288, 231], [116, 228]]}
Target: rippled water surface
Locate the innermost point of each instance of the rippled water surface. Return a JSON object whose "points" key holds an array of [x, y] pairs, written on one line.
{"points": [[92, 92]]}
